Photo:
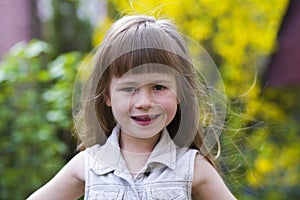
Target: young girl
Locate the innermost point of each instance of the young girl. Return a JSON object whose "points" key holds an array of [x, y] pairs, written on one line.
{"points": [[146, 123]]}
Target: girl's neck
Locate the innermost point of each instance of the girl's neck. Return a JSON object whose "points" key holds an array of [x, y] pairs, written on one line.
{"points": [[136, 151]]}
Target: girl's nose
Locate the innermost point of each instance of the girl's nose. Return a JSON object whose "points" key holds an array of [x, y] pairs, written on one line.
{"points": [[143, 99]]}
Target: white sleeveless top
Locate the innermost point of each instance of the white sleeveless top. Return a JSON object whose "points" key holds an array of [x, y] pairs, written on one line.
{"points": [[167, 174]]}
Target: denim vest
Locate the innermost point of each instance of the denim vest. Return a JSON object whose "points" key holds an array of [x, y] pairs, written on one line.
{"points": [[167, 174]]}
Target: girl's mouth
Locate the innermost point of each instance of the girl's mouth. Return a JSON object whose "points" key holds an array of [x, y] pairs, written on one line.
{"points": [[144, 120]]}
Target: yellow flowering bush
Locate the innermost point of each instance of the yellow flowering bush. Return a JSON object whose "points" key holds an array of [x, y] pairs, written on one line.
{"points": [[240, 36]]}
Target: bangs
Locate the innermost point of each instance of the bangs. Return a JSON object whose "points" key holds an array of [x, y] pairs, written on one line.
{"points": [[157, 61]]}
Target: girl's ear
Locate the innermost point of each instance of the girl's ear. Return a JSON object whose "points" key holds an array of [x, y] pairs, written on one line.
{"points": [[107, 101]]}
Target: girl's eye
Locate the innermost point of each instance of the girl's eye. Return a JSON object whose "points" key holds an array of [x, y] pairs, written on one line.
{"points": [[159, 87], [129, 89]]}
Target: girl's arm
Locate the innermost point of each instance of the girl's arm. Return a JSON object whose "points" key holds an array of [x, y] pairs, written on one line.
{"points": [[67, 184], [207, 183]]}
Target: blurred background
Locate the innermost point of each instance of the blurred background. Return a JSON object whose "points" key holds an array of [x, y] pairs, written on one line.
{"points": [[255, 44]]}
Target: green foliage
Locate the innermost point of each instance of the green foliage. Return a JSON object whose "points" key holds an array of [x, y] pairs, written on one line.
{"points": [[66, 30], [35, 104]]}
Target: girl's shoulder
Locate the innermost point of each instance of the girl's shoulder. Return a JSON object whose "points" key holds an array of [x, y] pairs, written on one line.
{"points": [[207, 183], [76, 166], [201, 169]]}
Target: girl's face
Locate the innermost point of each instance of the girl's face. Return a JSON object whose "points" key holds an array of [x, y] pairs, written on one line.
{"points": [[143, 104]]}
